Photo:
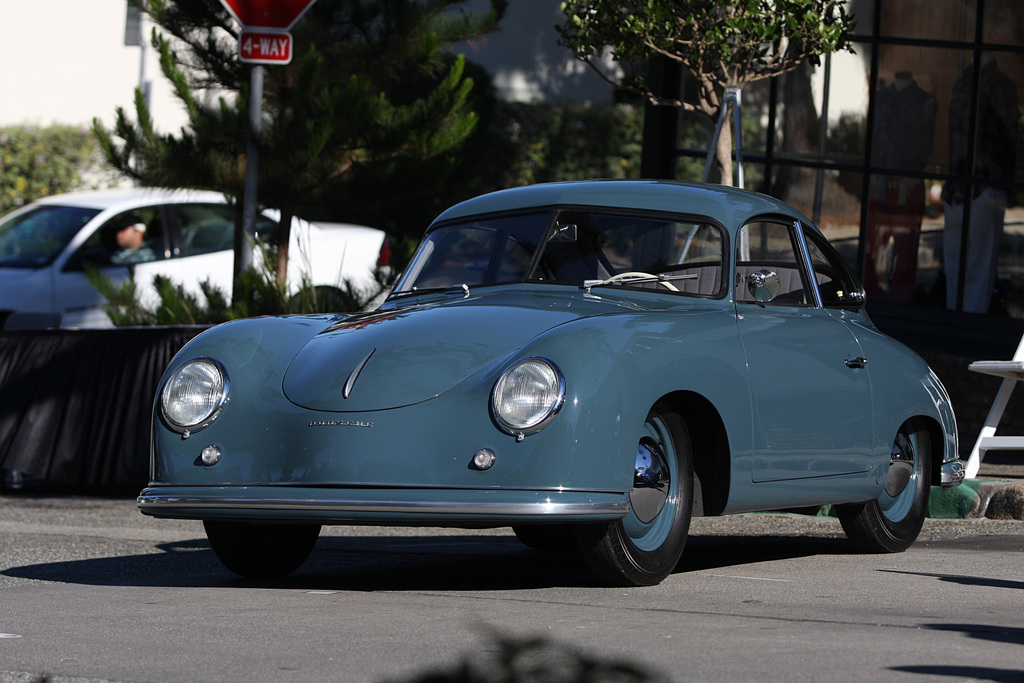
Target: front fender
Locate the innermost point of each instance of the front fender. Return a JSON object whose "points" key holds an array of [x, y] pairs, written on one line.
{"points": [[618, 367], [904, 387]]}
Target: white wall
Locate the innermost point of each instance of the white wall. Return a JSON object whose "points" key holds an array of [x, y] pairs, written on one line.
{"points": [[64, 61]]}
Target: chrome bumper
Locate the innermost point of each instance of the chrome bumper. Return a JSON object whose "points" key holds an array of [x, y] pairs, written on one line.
{"points": [[368, 506], [952, 474]]}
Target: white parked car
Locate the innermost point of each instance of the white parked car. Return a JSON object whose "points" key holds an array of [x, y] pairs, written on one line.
{"points": [[183, 234]]}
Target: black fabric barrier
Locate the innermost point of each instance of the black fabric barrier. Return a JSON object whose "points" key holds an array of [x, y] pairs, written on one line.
{"points": [[76, 405]]}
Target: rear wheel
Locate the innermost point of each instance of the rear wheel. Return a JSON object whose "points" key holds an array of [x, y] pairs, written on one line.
{"points": [[261, 550], [643, 548], [892, 522]]}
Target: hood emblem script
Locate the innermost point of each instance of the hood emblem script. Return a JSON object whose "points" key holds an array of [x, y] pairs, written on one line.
{"points": [[340, 423]]}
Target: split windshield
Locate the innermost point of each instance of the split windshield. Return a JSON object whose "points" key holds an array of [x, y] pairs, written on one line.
{"points": [[35, 238], [572, 247]]}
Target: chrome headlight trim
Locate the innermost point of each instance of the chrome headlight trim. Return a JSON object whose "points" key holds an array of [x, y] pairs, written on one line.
{"points": [[214, 394], [535, 372]]}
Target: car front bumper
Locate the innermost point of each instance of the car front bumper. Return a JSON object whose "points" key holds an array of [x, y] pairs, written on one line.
{"points": [[453, 507], [952, 474]]}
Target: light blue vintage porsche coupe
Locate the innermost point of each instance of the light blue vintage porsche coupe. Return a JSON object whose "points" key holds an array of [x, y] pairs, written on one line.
{"points": [[590, 363]]}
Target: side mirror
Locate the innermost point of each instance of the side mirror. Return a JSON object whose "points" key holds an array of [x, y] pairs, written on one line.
{"points": [[763, 285], [564, 233], [856, 297]]}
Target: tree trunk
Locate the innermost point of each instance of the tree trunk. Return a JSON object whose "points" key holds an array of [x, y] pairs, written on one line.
{"points": [[723, 150], [284, 234]]}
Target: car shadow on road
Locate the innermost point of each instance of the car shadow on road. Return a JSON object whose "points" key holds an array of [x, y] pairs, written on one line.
{"points": [[998, 634], [717, 552], [967, 580], [456, 562]]}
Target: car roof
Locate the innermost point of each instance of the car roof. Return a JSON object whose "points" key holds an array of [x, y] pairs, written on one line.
{"points": [[129, 198], [728, 205]]}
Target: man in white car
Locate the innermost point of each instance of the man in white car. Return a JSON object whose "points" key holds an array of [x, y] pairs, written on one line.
{"points": [[130, 240]]}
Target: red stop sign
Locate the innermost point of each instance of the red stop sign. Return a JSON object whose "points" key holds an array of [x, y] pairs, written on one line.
{"points": [[277, 14]]}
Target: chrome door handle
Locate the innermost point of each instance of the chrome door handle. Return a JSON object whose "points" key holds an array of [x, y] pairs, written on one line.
{"points": [[858, 362]]}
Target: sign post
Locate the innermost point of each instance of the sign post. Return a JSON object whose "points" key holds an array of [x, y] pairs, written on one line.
{"points": [[265, 39]]}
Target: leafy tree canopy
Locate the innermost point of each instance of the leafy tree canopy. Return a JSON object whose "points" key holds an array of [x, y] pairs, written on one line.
{"points": [[719, 42]]}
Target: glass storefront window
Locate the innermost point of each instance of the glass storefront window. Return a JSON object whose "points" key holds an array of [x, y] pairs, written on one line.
{"points": [[1003, 23], [903, 245], [921, 19], [906, 154], [983, 216]]}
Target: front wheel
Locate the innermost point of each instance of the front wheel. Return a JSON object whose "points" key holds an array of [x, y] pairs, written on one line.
{"points": [[643, 548], [892, 522], [261, 550]]}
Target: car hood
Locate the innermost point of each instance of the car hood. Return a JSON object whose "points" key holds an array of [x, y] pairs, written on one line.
{"points": [[25, 289], [15, 274], [401, 356]]}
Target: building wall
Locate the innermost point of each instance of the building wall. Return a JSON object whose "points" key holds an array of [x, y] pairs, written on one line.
{"points": [[64, 61]]}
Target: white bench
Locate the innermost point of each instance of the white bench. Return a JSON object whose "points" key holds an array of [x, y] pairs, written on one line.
{"points": [[1012, 371]]}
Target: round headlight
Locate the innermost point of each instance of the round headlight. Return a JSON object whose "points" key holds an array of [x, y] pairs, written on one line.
{"points": [[527, 396], [194, 395]]}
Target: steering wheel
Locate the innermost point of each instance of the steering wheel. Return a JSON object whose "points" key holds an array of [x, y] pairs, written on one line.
{"points": [[622, 276]]}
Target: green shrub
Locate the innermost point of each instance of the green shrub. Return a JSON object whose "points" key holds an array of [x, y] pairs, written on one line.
{"points": [[36, 162], [260, 294]]}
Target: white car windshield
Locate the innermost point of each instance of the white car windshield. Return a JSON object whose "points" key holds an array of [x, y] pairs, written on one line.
{"points": [[35, 238]]}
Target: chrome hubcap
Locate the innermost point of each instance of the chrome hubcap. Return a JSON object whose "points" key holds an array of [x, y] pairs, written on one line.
{"points": [[901, 466], [651, 480]]}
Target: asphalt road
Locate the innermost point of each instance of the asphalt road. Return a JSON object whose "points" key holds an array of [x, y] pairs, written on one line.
{"points": [[92, 590]]}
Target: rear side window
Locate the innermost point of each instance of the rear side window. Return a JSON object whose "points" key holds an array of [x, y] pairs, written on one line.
{"points": [[207, 228]]}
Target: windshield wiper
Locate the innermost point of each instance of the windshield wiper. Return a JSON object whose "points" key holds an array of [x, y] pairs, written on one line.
{"points": [[427, 290], [631, 279]]}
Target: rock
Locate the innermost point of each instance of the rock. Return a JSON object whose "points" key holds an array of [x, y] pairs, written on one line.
{"points": [[1007, 502]]}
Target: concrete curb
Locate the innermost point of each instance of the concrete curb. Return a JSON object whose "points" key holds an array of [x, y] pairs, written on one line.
{"points": [[979, 498]]}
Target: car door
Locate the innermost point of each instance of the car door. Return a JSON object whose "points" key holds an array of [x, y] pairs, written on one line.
{"points": [[809, 392], [79, 303], [203, 238]]}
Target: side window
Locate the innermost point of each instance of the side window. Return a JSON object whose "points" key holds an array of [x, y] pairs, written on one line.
{"points": [[135, 236], [768, 266], [838, 285], [206, 228]]}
